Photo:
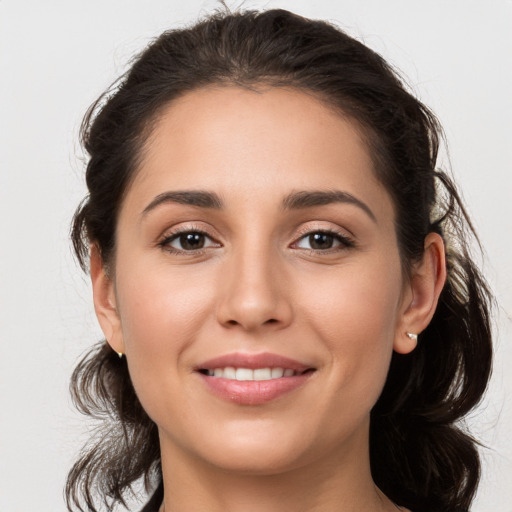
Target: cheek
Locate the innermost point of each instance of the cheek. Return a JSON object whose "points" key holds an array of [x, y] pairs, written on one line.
{"points": [[161, 314], [160, 303], [355, 315]]}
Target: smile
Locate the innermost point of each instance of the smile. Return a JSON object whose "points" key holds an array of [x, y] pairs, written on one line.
{"points": [[253, 379], [245, 374]]}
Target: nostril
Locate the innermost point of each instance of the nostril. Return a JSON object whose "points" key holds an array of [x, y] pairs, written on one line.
{"points": [[269, 321]]}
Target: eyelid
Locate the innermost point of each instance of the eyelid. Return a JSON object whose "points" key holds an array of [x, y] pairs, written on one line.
{"points": [[347, 240], [174, 233]]}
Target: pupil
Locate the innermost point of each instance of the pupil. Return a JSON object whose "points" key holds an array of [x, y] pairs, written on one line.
{"points": [[321, 241], [192, 241]]}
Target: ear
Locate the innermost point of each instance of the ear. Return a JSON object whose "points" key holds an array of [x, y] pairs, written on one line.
{"points": [[105, 302], [420, 299]]}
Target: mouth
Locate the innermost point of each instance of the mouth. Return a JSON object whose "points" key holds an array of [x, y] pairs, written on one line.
{"points": [[249, 374], [252, 379]]}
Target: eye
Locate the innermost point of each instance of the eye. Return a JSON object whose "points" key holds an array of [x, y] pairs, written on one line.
{"points": [[323, 241], [187, 241]]}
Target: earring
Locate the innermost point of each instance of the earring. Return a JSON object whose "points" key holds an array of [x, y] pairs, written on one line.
{"points": [[120, 354], [412, 336]]}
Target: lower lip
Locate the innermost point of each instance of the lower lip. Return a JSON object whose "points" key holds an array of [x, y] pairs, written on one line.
{"points": [[254, 392]]}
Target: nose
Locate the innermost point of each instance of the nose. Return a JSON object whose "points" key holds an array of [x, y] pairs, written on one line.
{"points": [[255, 292]]}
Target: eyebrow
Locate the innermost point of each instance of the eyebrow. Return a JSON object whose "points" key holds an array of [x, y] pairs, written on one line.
{"points": [[294, 201], [311, 198], [199, 198]]}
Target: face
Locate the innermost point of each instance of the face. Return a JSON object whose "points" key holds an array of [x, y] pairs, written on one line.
{"points": [[256, 243]]}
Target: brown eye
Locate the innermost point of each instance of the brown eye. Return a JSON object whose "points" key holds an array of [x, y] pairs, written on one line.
{"points": [[191, 241], [323, 241], [187, 241]]}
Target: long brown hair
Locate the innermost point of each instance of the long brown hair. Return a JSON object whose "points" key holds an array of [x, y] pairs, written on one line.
{"points": [[421, 458]]}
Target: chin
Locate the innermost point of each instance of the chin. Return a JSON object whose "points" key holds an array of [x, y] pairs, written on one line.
{"points": [[257, 462], [260, 450]]}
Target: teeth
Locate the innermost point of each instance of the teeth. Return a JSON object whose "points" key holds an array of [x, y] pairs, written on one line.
{"points": [[244, 374], [229, 373], [249, 374], [277, 373], [262, 374]]}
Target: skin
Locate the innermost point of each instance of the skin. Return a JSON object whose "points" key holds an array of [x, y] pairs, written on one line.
{"points": [[258, 285]]}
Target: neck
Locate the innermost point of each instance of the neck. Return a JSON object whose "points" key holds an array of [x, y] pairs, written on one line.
{"points": [[329, 484]]}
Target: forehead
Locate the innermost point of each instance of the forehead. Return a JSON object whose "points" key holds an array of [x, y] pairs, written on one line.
{"points": [[254, 144]]}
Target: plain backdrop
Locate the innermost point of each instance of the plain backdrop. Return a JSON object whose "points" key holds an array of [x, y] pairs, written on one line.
{"points": [[56, 57]]}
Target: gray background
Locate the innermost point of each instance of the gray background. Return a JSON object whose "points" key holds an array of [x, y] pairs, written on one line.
{"points": [[57, 56]]}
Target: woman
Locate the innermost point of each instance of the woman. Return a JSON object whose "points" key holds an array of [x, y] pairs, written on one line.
{"points": [[292, 319]]}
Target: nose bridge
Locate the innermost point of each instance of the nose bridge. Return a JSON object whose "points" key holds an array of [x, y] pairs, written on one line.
{"points": [[254, 294]]}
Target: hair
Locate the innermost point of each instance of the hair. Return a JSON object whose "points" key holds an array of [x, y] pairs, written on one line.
{"points": [[421, 455]]}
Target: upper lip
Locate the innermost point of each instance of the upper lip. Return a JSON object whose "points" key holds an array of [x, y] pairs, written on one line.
{"points": [[253, 361]]}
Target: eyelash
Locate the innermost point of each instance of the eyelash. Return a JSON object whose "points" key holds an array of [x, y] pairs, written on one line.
{"points": [[165, 243], [345, 241]]}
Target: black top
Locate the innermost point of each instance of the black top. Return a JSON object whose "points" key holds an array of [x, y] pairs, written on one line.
{"points": [[156, 500]]}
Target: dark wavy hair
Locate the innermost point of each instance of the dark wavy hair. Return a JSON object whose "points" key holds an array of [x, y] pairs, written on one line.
{"points": [[421, 455]]}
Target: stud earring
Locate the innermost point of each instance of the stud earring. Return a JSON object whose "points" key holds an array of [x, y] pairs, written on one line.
{"points": [[120, 354], [412, 336]]}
